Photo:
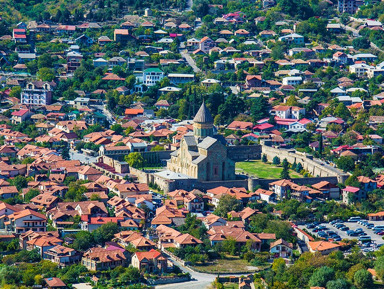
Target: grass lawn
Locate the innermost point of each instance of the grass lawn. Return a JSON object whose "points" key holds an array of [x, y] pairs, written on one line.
{"points": [[231, 286], [231, 264], [263, 170]]}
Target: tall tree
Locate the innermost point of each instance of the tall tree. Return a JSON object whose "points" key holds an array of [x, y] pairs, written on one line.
{"points": [[285, 172]]}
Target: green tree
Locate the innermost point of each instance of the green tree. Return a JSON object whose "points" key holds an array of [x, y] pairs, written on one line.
{"points": [[299, 167], [117, 128], [83, 241], [75, 192], [65, 152], [285, 172], [264, 158], [229, 246], [27, 161], [131, 275], [347, 164], [363, 279], [227, 204], [361, 43], [46, 74], [259, 108], [338, 284], [321, 276], [342, 111], [278, 265], [19, 182], [291, 101], [276, 160], [45, 60], [130, 81], [31, 194], [15, 92], [282, 229], [135, 160], [379, 267], [105, 233]]}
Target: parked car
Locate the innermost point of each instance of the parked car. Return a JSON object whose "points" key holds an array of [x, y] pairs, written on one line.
{"points": [[345, 228], [338, 226], [359, 230], [379, 227], [335, 221], [364, 239], [354, 219], [370, 226], [381, 233], [351, 233], [310, 226]]}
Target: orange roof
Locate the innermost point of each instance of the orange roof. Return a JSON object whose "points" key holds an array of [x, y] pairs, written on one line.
{"points": [[378, 214], [322, 245], [152, 254], [134, 111]]}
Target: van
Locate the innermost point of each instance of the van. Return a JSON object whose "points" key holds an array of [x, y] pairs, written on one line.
{"points": [[354, 219], [365, 239]]}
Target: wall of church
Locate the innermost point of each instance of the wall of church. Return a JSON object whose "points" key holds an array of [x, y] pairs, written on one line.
{"points": [[243, 153]]}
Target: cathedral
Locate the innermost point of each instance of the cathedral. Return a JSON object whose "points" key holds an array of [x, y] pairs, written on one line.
{"points": [[202, 154]]}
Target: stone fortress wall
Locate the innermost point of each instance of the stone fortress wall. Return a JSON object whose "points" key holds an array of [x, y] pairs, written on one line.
{"points": [[315, 167]]}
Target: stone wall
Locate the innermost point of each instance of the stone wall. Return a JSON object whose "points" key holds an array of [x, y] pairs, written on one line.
{"points": [[253, 183], [243, 153], [168, 280], [156, 158], [315, 167]]}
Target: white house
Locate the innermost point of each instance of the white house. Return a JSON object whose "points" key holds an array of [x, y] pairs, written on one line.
{"points": [[292, 38], [151, 76], [360, 69], [292, 80]]}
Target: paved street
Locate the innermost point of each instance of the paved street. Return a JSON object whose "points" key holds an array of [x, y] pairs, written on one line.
{"points": [[356, 34], [106, 112], [190, 61], [199, 280]]}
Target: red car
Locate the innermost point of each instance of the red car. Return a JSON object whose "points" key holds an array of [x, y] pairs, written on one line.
{"points": [[380, 233]]}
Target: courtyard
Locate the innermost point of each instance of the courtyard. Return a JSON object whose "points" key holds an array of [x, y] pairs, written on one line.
{"points": [[257, 168]]}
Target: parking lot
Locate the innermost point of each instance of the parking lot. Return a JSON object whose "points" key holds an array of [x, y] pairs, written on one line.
{"points": [[353, 226]]}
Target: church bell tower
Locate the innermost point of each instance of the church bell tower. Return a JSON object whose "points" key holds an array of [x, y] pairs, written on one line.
{"points": [[203, 122]]}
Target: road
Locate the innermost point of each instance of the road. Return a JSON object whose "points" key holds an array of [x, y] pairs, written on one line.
{"points": [[189, 59], [199, 280], [106, 112], [356, 33], [189, 6]]}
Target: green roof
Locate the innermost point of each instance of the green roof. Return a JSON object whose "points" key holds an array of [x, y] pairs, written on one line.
{"points": [[153, 70]]}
